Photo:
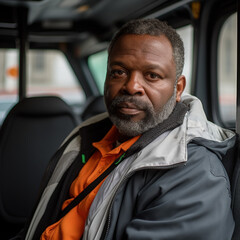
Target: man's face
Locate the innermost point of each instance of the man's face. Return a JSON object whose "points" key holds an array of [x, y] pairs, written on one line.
{"points": [[140, 90]]}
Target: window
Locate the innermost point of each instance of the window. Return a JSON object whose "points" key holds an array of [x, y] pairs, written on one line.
{"points": [[227, 70], [8, 80], [48, 73], [98, 61], [186, 34], [98, 66]]}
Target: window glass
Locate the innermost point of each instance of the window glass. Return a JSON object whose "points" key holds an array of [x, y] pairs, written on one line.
{"points": [[186, 34], [227, 70], [8, 80], [98, 66], [98, 61], [49, 73]]}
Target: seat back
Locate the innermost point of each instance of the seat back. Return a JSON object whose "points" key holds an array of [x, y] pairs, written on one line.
{"points": [[231, 163], [94, 106], [30, 134], [235, 184]]}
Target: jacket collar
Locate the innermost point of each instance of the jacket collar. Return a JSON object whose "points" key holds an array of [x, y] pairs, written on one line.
{"points": [[187, 122], [95, 131]]}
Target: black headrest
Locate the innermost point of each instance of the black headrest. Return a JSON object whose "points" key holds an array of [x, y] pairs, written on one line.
{"points": [[94, 106], [47, 105]]}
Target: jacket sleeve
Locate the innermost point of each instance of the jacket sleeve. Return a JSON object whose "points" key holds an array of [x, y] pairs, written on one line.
{"points": [[188, 202]]}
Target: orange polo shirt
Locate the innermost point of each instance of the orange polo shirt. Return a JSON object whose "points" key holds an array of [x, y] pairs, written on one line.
{"points": [[71, 226]]}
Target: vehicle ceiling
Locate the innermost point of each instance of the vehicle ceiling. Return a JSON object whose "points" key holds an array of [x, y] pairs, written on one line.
{"points": [[75, 19], [53, 21]]}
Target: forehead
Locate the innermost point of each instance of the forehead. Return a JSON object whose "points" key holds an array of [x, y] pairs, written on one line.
{"points": [[155, 46]]}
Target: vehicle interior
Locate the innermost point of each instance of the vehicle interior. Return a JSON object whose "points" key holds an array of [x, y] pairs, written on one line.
{"points": [[53, 58]]}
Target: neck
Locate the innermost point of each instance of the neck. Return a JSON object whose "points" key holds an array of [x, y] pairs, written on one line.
{"points": [[123, 138]]}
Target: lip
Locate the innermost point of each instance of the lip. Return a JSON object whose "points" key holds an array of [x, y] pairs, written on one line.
{"points": [[129, 108]]}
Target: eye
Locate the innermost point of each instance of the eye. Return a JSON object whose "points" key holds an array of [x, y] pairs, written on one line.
{"points": [[117, 73], [153, 76]]}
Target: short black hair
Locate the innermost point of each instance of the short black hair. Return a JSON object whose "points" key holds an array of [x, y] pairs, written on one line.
{"points": [[154, 27]]}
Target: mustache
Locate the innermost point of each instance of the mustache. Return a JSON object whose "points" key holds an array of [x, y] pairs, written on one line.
{"points": [[141, 105]]}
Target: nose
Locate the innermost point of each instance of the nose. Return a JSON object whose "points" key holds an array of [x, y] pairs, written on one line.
{"points": [[133, 85]]}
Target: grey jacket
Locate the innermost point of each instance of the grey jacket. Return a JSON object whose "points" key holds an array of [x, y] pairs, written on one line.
{"points": [[173, 187]]}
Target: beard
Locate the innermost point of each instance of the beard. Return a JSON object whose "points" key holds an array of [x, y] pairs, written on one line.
{"points": [[130, 128]]}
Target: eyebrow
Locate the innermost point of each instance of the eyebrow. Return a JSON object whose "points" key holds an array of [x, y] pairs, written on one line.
{"points": [[116, 63], [148, 66], [153, 66]]}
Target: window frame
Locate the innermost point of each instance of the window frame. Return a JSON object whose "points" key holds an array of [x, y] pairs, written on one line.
{"points": [[218, 113], [214, 71], [207, 31]]}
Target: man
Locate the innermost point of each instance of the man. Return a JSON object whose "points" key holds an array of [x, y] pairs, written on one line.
{"points": [[156, 158]]}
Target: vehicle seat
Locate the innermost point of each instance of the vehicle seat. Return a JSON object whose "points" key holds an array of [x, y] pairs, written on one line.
{"points": [[235, 184], [231, 163], [93, 107], [31, 133]]}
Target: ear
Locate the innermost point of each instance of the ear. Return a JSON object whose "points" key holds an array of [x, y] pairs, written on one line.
{"points": [[181, 83]]}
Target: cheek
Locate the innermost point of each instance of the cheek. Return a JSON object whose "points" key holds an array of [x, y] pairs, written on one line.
{"points": [[159, 97], [111, 90]]}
